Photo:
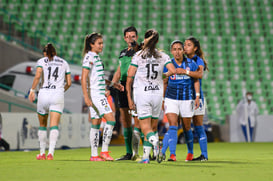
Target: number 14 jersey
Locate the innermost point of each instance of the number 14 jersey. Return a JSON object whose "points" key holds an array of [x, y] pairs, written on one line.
{"points": [[54, 72]]}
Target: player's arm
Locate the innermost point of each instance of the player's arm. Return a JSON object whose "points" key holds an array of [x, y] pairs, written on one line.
{"points": [[84, 79], [197, 92], [171, 70], [35, 82], [131, 73], [68, 81], [165, 84], [198, 74], [116, 76], [114, 84]]}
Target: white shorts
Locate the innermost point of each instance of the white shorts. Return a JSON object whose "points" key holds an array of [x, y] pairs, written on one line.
{"points": [[148, 106], [201, 109], [50, 100], [184, 108], [100, 106]]}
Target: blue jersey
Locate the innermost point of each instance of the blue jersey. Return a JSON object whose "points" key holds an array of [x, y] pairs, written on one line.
{"points": [[180, 87], [199, 61]]}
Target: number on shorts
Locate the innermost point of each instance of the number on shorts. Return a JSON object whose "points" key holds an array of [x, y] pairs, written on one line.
{"points": [[103, 102]]}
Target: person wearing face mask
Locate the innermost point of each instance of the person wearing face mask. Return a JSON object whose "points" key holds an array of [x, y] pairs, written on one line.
{"points": [[247, 107]]}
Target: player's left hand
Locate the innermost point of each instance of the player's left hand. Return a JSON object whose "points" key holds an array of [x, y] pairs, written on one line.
{"points": [[119, 86], [180, 71], [197, 103]]}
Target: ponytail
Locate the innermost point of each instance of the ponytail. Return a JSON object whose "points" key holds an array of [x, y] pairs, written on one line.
{"points": [[90, 39], [199, 52], [150, 40], [50, 51]]}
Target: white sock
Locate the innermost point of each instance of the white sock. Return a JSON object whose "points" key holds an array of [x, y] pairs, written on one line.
{"points": [[42, 134], [107, 136], [135, 141], [146, 152], [94, 141], [153, 140], [53, 137], [155, 149]]}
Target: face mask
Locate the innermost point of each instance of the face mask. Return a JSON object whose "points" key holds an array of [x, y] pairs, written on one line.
{"points": [[249, 97]]}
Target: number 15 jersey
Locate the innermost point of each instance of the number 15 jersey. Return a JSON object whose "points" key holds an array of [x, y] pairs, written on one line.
{"points": [[54, 72], [149, 75]]}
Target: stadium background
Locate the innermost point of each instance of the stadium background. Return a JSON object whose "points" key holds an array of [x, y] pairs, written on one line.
{"points": [[236, 36]]}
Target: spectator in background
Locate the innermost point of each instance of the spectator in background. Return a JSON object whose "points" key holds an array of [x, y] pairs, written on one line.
{"points": [[247, 111]]}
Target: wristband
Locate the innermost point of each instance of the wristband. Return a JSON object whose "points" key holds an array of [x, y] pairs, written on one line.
{"points": [[111, 84], [187, 72], [32, 90], [197, 94]]}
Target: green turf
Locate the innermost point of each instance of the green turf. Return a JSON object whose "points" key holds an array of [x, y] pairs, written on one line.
{"points": [[227, 161]]}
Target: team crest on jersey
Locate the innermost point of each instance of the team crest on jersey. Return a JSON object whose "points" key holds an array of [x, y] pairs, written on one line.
{"points": [[46, 60]]}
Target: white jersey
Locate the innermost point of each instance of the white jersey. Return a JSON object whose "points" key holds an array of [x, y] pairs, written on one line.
{"points": [[54, 72], [93, 63], [149, 75]]}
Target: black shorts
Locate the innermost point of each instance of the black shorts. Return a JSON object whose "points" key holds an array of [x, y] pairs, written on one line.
{"points": [[123, 100]]}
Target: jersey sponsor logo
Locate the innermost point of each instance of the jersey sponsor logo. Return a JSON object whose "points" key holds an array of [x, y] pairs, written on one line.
{"points": [[179, 77], [151, 87]]}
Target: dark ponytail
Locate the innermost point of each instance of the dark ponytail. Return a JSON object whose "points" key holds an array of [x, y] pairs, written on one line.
{"points": [[151, 38], [90, 39], [199, 52], [50, 51]]}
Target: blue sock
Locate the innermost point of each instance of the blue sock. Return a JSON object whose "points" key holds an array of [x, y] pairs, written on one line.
{"points": [[202, 137], [244, 131], [189, 140], [165, 142], [172, 139]]}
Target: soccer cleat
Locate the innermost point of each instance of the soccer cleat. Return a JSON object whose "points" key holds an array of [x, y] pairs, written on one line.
{"points": [[160, 156], [136, 158], [144, 161], [105, 155], [128, 156], [96, 159], [201, 158], [189, 157], [41, 157], [49, 157], [172, 158], [152, 157]]}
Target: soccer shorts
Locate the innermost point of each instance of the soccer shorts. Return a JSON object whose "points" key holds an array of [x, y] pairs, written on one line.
{"points": [[100, 106], [50, 100], [184, 108], [201, 109], [123, 100], [148, 106]]}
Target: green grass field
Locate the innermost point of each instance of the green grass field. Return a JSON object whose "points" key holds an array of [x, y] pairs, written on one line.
{"points": [[227, 161]]}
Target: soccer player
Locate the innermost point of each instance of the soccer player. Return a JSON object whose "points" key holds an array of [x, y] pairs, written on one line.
{"points": [[54, 71], [147, 70], [179, 99], [194, 52], [125, 57], [94, 96]]}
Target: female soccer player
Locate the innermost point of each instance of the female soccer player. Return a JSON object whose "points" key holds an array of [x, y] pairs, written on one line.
{"points": [[147, 67], [54, 72], [194, 52], [94, 96], [179, 99]]}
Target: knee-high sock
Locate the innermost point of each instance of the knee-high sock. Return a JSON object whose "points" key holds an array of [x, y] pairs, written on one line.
{"points": [[189, 140], [147, 147], [165, 142], [107, 135], [94, 137], [53, 137], [127, 133], [172, 139], [135, 140], [42, 134], [202, 140], [155, 150], [152, 138]]}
